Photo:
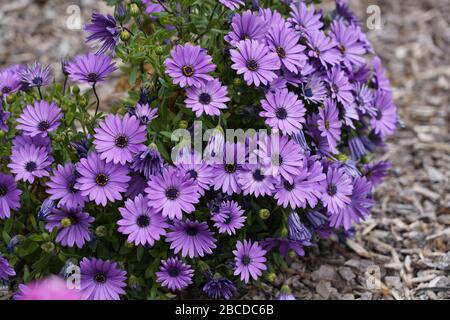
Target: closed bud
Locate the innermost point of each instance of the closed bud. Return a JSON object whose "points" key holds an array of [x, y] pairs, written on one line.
{"points": [[45, 236], [125, 35], [237, 81], [342, 157], [76, 89], [159, 50], [285, 289], [101, 231], [271, 277], [292, 254], [83, 102], [11, 98], [133, 282], [183, 124], [48, 247], [2, 133], [134, 9], [120, 12], [264, 214], [129, 244]]}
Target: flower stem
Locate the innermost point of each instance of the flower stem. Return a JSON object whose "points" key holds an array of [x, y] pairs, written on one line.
{"points": [[64, 86], [40, 93], [98, 100]]}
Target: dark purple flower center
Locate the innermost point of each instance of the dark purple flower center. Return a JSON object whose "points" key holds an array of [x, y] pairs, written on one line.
{"points": [[3, 191], [174, 272], [281, 113], [379, 115], [309, 93], [191, 231], [100, 277], [289, 186], [252, 65], [172, 193], [359, 101], [143, 221], [205, 98], [335, 88], [121, 141], [332, 190], [43, 125], [74, 219], [342, 48], [144, 119], [193, 173], [258, 175], [227, 219], [101, 179], [92, 77], [230, 168], [246, 260], [281, 52], [30, 166], [188, 70], [6, 89], [327, 124], [37, 81]]}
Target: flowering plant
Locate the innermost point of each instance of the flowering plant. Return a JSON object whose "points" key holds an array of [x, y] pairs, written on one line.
{"points": [[246, 137]]}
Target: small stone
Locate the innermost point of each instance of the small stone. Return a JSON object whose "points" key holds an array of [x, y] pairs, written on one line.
{"points": [[323, 288], [346, 273], [393, 282], [324, 273]]}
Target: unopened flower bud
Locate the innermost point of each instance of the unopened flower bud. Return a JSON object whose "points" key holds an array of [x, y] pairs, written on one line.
{"points": [[264, 214], [76, 89], [183, 124], [285, 289], [129, 244], [2, 133], [120, 12], [271, 277], [125, 35], [292, 254], [134, 9], [342, 157], [101, 231], [83, 102], [237, 81], [11, 98], [48, 247], [159, 50]]}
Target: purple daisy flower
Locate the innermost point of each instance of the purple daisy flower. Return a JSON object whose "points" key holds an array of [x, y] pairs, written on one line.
{"points": [[284, 245], [119, 139], [226, 174], [314, 90], [283, 110], [281, 157], [339, 87], [329, 124], [229, 218], [36, 75], [210, 98], [39, 119], [285, 293], [253, 180], [90, 68], [73, 225], [297, 230], [323, 48], [255, 61], [249, 259], [219, 288], [29, 162], [343, 12], [191, 238], [62, 187], [359, 206], [189, 65], [172, 194], [356, 147], [385, 121], [9, 82], [152, 7], [304, 189], [271, 17], [174, 274], [232, 4], [9, 195], [101, 280], [6, 270], [101, 181], [351, 49], [376, 172], [46, 208], [303, 20], [104, 32], [144, 113], [148, 162], [285, 43], [247, 26], [142, 224], [363, 99], [337, 189], [197, 169]]}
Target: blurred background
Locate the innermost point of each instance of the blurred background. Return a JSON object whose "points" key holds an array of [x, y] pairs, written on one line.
{"points": [[403, 251]]}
